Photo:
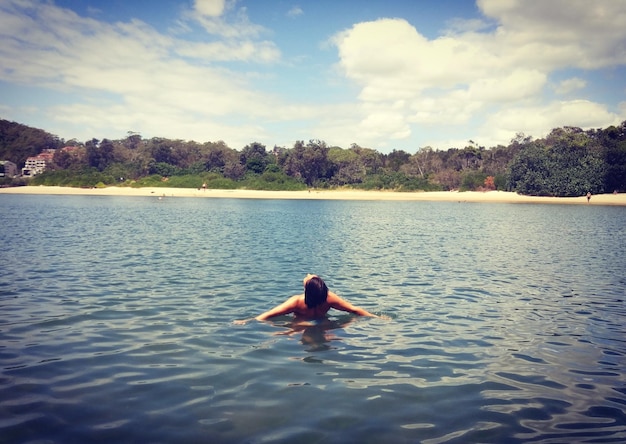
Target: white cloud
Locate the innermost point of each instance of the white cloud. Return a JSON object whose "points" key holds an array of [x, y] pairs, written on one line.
{"points": [[378, 54], [495, 75], [519, 84], [231, 22], [246, 50], [484, 79], [295, 11], [586, 34], [237, 29], [121, 57], [449, 109], [136, 77], [113, 121], [381, 123], [210, 8], [538, 121], [569, 85]]}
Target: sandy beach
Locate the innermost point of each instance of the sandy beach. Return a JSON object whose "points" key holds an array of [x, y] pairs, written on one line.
{"points": [[443, 196]]}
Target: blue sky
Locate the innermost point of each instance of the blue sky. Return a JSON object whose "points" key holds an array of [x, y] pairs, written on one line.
{"points": [[382, 74]]}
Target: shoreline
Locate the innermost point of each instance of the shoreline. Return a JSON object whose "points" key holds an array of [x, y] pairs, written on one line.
{"points": [[432, 196]]}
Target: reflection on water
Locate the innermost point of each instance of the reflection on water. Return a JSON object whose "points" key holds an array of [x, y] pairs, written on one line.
{"points": [[508, 322], [316, 334]]}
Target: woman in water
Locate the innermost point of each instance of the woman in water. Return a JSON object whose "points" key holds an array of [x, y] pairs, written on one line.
{"points": [[316, 301]]}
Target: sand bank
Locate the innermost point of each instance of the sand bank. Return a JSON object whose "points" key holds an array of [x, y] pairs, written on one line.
{"points": [[443, 196]]}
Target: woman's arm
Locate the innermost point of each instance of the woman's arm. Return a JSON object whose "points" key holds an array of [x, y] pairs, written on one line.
{"points": [[285, 308], [341, 304]]}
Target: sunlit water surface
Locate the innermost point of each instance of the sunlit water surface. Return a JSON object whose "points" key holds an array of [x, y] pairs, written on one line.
{"points": [[508, 322]]}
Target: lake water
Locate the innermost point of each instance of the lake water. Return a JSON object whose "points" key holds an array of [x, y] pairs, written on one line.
{"points": [[507, 322]]}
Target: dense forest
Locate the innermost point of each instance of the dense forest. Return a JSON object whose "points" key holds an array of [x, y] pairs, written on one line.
{"points": [[567, 162]]}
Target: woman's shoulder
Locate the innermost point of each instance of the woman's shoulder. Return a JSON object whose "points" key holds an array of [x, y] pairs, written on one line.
{"points": [[332, 297], [297, 299]]}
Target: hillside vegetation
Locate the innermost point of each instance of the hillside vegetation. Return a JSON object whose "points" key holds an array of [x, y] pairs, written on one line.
{"points": [[567, 162]]}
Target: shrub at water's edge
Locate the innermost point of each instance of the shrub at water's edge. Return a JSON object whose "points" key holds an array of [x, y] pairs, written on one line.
{"points": [[84, 178], [91, 178], [266, 181]]}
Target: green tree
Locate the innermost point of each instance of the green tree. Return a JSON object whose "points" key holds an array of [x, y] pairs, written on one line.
{"points": [[133, 141], [370, 159], [472, 156], [99, 154], [448, 179], [614, 140], [234, 170], [255, 158], [395, 159], [161, 150], [184, 154], [164, 169], [70, 158], [426, 162], [473, 180], [308, 163], [529, 171], [345, 166], [217, 155], [576, 165]]}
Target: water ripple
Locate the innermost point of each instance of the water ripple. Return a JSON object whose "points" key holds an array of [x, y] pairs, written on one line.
{"points": [[118, 328]]}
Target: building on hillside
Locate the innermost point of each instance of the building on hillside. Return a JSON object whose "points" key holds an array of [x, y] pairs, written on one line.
{"points": [[7, 169], [37, 164]]}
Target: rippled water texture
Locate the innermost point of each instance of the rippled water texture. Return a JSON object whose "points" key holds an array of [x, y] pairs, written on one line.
{"points": [[508, 322]]}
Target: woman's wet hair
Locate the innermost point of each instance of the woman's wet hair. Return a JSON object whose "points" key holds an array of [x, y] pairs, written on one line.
{"points": [[315, 292]]}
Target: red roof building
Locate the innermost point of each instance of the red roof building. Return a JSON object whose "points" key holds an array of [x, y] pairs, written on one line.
{"points": [[37, 164]]}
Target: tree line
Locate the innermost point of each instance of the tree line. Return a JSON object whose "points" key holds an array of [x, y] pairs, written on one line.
{"points": [[567, 162]]}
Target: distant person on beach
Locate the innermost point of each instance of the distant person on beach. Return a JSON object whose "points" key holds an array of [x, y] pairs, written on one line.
{"points": [[204, 186], [588, 196], [316, 301]]}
